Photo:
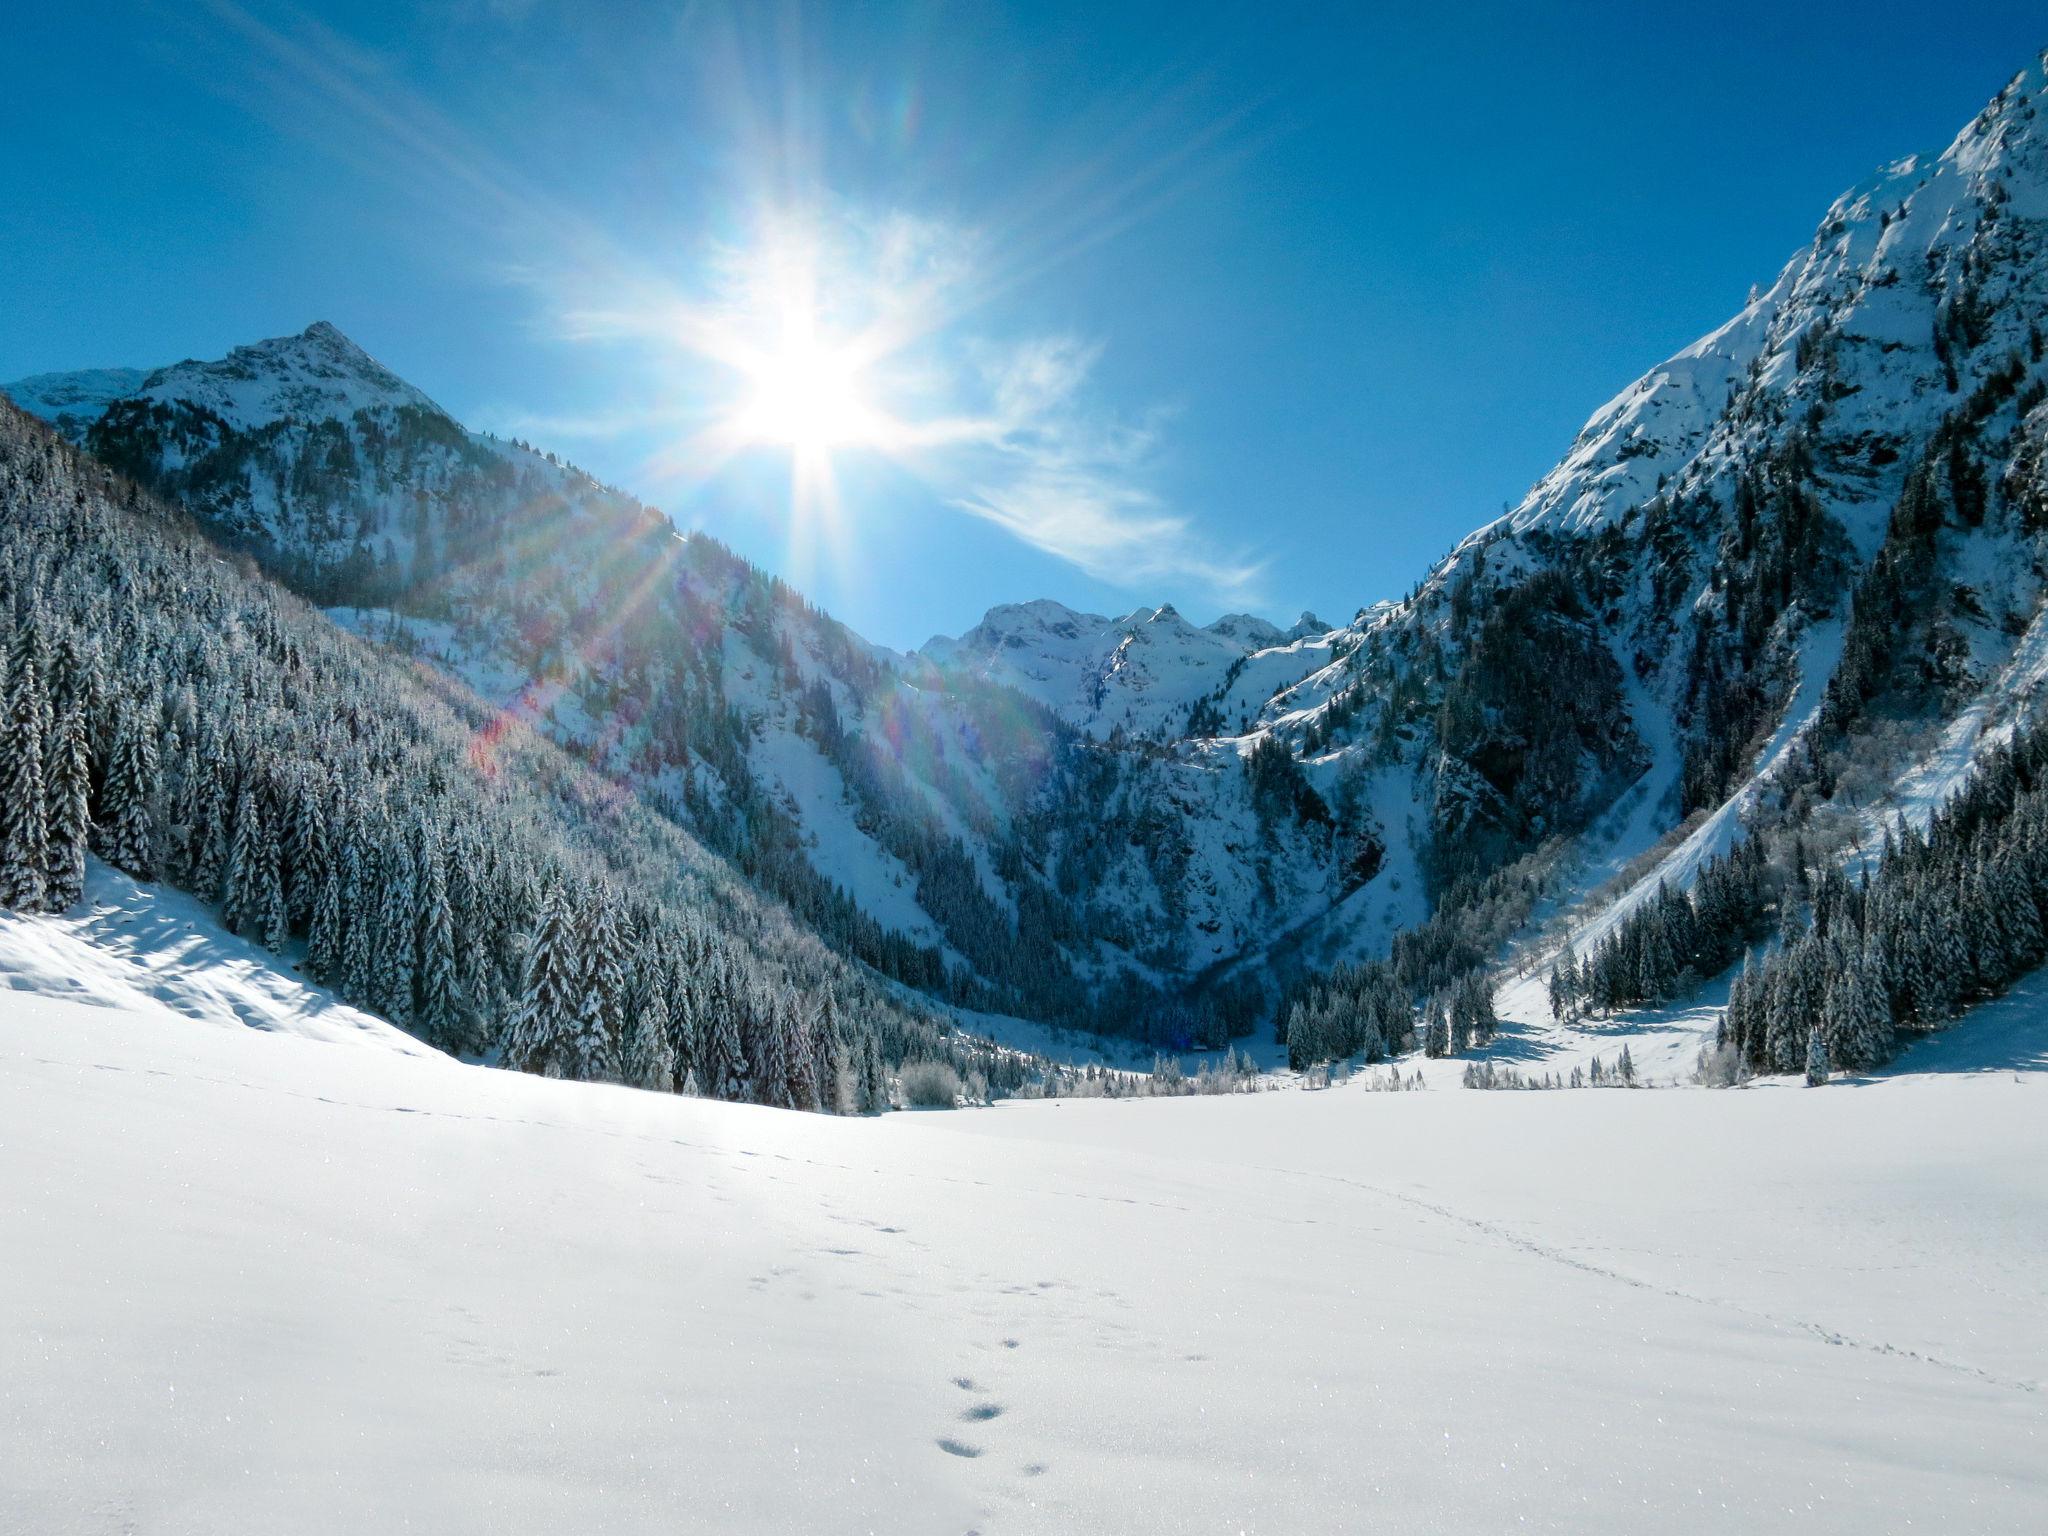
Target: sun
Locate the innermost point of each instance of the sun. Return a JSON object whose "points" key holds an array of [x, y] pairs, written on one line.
{"points": [[808, 394]]}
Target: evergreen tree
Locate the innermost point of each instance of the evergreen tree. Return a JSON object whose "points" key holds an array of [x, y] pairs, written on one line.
{"points": [[830, 1065], [397, 932], [324, 942], [722, 1068], [70, 822], [650, 1049], [24, 802], [537, 1039], [1816, 1058], [241, 877], [799, 1059], [439, 989], [874, 1082], [127, 821]]}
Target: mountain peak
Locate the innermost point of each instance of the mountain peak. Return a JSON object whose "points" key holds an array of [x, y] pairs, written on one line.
{"points": [[318, 374]]}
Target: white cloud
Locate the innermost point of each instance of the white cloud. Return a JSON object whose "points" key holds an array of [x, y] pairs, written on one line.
{"points": [[1074, 484]]}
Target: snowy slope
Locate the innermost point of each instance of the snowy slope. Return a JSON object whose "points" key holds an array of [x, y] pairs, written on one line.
{"points": [[147, 951], [256, 1283]]}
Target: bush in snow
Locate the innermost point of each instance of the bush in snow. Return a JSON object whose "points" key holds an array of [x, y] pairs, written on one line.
{"points": [[930, 1085]]}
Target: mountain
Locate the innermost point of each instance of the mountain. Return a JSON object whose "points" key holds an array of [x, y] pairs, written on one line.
{"points": [[1774, 588], [1141, 674]]}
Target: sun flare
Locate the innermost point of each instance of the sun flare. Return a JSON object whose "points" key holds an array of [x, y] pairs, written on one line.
{"points": [[808, 395]]}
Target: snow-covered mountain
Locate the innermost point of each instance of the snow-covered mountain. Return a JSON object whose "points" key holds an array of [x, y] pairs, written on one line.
{"points": [[1761, 585], [74, 400], [1141, 674]]}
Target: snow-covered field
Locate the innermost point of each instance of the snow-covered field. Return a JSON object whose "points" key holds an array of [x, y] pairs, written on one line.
{"points": [[257, 1282]]}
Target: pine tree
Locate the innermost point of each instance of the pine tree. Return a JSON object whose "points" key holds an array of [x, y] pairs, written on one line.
{"points": [[722, 1068], [438, 988], [594, 1045], [765, 1043], [127, 822], [830, 1063], [650, 1050], [240, 877], [307, 852], [24, 803], [70, 821], [272, 925], [874, 1081], [799, 1059], [397, 930], [324, 942], [536, 1038], [209, 829], [681, 1010], [1816, 1058]]}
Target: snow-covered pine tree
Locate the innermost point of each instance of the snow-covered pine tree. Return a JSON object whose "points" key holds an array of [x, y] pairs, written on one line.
{"points": [[831, 1058], [439, 1015], [593, 1045], [210, 824], [766, 1047], [394, 920], [799, 1058], [722, 1064], [239, 878], [307, 849], [126, 829], [324, 942], [874, 1081], [70, 819], [272, 924], [24, 798], [650, 1050], [681, 1009], [536, 1038], [1816, 1057]]}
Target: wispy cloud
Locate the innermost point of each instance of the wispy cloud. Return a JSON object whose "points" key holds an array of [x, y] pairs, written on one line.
{"points": [[1074, 483]]}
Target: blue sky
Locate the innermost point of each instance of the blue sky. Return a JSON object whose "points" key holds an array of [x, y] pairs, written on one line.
{"points": [[1231, 306]]}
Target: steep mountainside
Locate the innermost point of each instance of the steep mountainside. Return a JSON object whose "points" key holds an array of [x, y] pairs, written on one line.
{"points": [[1754, 592]]}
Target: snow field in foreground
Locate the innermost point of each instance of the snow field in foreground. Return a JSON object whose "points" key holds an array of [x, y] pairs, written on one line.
{"points": [[257, 1282]]}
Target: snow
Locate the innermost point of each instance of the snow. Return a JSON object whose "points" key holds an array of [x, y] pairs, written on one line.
{"points": [[1142, 672], [73, 399], [316, 375], [149, 951], [838, 849], [255, 1282]]}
